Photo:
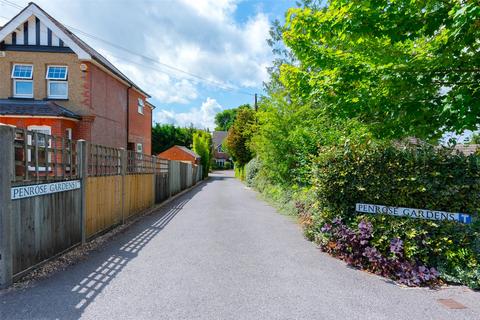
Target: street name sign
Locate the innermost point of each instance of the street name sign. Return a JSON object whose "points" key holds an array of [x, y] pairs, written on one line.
{"points": [[413, 213], [42, 189]]}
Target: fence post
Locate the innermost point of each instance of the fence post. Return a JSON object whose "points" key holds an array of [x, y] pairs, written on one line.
{"points": [[7, 160], [169, 178], [123, 172], [82, 149]]}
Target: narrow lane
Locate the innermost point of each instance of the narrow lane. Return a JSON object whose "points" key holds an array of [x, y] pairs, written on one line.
{"points": [[218, 252]]}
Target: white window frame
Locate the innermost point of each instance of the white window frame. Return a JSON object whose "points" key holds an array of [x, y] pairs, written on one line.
{"points": [[29, 155], [137, 149], [22, 79], [57, 79], [50, 96], [69, 133], [25, 65], [18, 95], [140, 105]]}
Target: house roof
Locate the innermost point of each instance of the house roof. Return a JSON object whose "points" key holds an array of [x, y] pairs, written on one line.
{"points": [[34, 9], [190, 152], [34, 108], [218, 137]]}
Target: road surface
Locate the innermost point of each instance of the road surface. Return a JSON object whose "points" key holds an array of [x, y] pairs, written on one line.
{"points": [[218, 252]]}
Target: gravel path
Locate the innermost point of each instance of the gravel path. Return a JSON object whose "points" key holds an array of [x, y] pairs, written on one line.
{"points": [[218, 252]]}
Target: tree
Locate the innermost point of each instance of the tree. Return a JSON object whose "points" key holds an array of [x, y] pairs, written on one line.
{"points": [[224, 119], [202, 145], [401, 67], [239, 136], [165, 136]]}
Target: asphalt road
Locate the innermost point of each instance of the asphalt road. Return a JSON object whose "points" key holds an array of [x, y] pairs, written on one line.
{"points": [[218, 252]]}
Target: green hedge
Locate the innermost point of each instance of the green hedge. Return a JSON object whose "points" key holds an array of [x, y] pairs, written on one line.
{"points": [[424, 178]]}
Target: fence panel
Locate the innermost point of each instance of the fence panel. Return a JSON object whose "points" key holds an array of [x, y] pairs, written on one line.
{"points": [[139, 193], [104, 203], [44, 226], [81, 194], [174, 175]]}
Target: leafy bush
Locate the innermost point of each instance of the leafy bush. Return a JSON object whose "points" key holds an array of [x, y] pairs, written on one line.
{"points": [[239, 172], [423, 177], [251, 171]]}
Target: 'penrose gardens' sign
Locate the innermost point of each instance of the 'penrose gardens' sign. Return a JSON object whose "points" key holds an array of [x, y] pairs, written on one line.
{"points": [[41, 189], [413, 213]]}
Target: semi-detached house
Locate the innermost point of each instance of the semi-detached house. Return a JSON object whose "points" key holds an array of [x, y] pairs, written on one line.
{"points": [[52, 82]]}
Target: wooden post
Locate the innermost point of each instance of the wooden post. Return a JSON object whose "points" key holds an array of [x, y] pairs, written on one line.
{"points": [[7, 160], [82, 151], [169, 178], [123, 172]]}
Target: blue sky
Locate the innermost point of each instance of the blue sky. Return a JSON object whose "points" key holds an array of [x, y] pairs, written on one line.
{"points": [[223, 41]]}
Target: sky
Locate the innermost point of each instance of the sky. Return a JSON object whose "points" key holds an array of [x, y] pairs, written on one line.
{"points": [[221, 42]]}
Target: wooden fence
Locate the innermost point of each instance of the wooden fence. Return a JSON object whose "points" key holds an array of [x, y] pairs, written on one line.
{"points": [[56, 193]]}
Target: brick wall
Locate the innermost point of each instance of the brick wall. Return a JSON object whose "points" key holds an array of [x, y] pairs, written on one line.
{"points": [[109, 106], [94, 94], [178, 154], [58, 126], [140, 130]]}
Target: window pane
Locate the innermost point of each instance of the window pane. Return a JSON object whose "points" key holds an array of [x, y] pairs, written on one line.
{"points": [[58, 89], [58, 73], [22, 72], [24, 88]]}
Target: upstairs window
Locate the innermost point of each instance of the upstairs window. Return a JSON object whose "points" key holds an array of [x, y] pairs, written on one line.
{"points": [[57, 82], [141, 105], [139, 148], [22, 75]]}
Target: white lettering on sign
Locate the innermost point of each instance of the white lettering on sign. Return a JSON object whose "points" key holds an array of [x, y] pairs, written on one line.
{"points": [[41, 189], [413, 213]]}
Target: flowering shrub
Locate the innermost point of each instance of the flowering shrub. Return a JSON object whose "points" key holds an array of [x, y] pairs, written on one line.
{"points": [[355, 247]]}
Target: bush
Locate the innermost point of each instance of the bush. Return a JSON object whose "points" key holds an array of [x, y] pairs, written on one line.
{"points": [[251, 171], [227, 165], [239, 172], [424, 178]]}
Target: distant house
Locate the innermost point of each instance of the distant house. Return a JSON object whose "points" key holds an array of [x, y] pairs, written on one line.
{"points": [[54, 83], [180, 153], [220, 156]]}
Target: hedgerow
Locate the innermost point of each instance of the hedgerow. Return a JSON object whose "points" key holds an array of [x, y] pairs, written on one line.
{"points": [[424, 177]]}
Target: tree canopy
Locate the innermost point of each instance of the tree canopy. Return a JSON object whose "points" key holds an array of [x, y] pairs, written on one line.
{"points": [[239, 136], [165, 136], [224, 119], [401, 67]]}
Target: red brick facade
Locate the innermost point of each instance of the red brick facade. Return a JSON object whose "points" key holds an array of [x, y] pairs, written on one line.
{"points": [[177, 153], [140, 123], [58, 127]]}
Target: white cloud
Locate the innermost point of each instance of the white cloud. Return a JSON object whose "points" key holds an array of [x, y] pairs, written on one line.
{"points": [[201, 37], [201, 117]]}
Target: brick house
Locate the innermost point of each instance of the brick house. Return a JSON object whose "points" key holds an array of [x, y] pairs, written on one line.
{"points": [[180, 153], [53, 82], [220, 156]]}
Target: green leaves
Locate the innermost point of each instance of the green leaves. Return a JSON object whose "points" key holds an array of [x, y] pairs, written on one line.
{"points": [[403, 68], [422, 177]]}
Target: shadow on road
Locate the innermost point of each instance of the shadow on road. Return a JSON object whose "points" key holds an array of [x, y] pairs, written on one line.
{"points": [[67, 293]]}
